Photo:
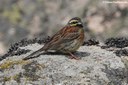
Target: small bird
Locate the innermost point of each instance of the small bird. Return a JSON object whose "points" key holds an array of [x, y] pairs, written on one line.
{"points": [[67, 40]]}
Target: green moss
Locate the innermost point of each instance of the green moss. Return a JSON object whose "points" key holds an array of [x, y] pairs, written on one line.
{"points": [[6, 79], [15, 77], [9, 63]]}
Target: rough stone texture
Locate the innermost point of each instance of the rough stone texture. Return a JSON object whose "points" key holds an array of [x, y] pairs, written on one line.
{"points": [[97, 66]]}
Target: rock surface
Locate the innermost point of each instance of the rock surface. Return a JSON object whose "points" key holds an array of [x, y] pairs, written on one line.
{"points": [[97, 66]]}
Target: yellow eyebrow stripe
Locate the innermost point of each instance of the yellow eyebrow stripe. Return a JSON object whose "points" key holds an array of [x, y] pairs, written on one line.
{"points": [[73, 24]]}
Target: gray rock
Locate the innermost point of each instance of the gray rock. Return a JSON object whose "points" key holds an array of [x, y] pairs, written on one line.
{"points": [[96, 67]]}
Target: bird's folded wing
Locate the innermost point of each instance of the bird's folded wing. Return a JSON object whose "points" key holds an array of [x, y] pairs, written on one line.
{"points": [[61, 38]]}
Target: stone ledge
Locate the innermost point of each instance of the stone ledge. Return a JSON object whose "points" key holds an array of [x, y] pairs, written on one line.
{"points": [[96, 67]]}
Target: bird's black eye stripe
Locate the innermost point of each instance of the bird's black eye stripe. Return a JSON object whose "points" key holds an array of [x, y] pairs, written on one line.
{"points": [[74, 22]]}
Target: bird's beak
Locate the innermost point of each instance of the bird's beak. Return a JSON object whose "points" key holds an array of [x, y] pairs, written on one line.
{"points": [[79, 23]]}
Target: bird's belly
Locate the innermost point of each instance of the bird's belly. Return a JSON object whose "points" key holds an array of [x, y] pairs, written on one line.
{"points": [[72, 46]]}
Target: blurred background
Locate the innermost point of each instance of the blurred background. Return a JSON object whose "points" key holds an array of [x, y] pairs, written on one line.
{"points": [[21, 19]]}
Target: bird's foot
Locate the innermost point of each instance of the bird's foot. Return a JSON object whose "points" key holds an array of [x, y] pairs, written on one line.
{"points": [[74, 57]]}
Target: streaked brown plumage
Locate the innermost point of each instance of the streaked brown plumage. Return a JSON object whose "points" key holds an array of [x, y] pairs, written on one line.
{"points": [[67, 40]]}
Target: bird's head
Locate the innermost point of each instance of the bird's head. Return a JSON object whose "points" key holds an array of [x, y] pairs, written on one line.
{"points": [[76, 21]]}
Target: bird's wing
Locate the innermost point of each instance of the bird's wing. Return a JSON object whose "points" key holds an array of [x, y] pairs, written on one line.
{"points": [[65, 35]]}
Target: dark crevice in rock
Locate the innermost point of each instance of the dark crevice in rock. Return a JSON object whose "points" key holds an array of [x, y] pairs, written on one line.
{"points": [[91, 42], [117, 42], [122, 52], [118, 45], [19, 52]]}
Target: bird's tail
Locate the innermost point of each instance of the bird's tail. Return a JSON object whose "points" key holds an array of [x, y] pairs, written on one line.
{"points": [[34, 54]]}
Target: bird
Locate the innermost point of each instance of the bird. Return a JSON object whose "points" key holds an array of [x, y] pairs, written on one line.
{"points": [[67, 40]]}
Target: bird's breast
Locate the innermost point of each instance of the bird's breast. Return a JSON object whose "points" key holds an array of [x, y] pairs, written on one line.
{"points": [[75, 44]]}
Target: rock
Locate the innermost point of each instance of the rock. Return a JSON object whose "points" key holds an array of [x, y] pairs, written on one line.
{"points": [[97, 66]]}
